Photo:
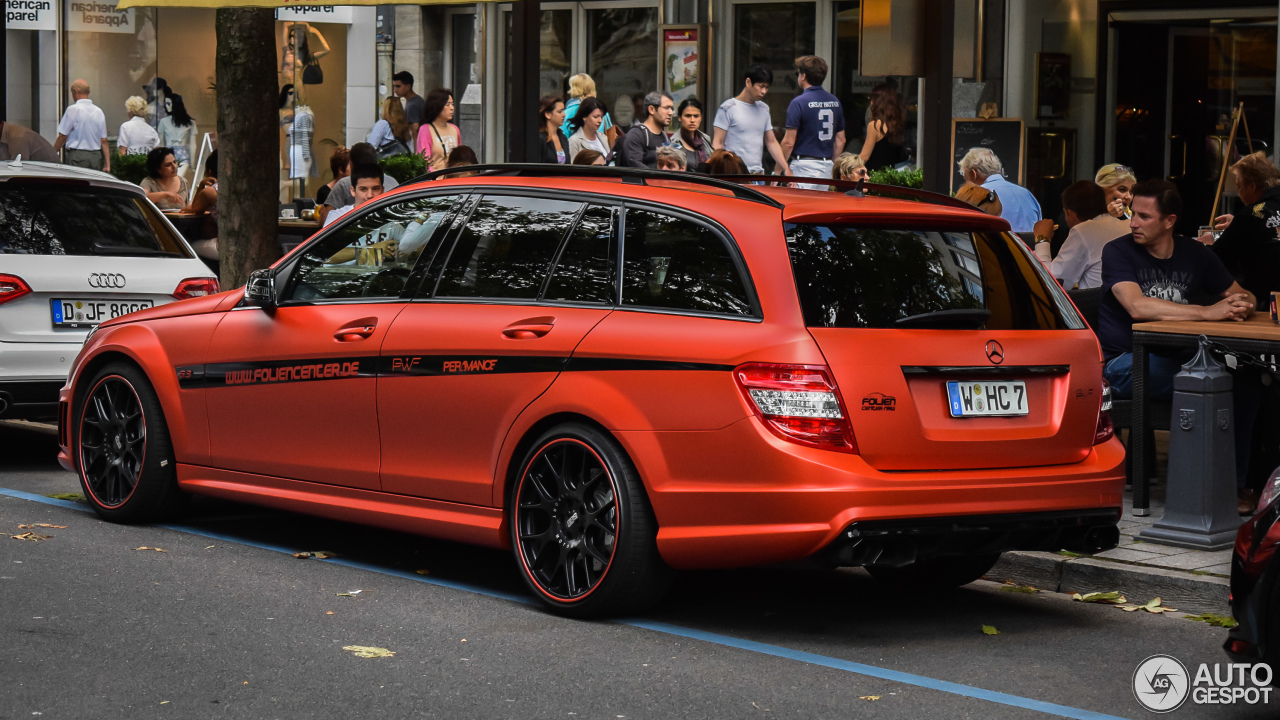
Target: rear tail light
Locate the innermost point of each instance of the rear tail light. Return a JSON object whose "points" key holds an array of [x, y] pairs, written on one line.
{"points": [[12, 287], [1106, 430], [195, 287], [799, 403]]}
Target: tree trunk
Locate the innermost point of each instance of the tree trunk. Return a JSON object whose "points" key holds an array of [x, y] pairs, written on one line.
{"points": [[248, 142]]}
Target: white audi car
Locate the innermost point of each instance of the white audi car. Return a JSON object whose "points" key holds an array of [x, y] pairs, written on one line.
{"points": [[76, 247]]}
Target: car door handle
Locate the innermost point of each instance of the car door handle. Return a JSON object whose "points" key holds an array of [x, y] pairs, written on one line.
{"points": [[529, 328], [350, 334]]}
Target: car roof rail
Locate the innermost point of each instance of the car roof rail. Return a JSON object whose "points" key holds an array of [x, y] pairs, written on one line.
{"points": [[873, 189], [636, 176]]}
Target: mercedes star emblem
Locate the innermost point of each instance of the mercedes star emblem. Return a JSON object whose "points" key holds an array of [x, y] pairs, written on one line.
{"points": [[995, 352]]}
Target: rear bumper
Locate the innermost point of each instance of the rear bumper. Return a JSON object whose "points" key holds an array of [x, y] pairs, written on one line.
{"points": [[895, 543], [29, 399], [740, 496]]}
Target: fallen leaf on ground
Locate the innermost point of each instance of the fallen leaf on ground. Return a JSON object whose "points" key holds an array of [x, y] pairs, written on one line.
{"points": [[211, 547], [424, 572], [1222, 621], [1012, 587], [329, 612], [43, 525], [350, 593], [144, 547], [1106, 598], [1154, 607], [164, 702], [368, 652], [30, 536], [990, 630], [872, 698], [67, 496], [759, 708], [317, 554]]}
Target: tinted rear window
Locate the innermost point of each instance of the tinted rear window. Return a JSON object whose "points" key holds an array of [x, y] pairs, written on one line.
{"points": [[861, 277], [90, 221]]}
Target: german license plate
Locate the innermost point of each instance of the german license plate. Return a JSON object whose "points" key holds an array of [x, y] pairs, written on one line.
{"points": [[71, 313], [979, 398]]}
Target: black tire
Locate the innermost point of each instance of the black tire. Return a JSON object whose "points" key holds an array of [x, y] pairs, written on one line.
{"points": [[120, 443], [582, 530], [936, 573]]}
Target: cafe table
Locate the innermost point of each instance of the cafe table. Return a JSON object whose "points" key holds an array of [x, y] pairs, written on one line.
{"points": [[291, 232], [1256, 336]]}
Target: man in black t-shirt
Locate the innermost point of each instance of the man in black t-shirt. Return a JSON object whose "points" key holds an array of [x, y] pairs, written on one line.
{"points": [[1152, 275]]}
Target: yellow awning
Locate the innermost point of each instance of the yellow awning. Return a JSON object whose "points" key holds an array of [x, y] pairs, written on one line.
{"points": [[285, 3]]}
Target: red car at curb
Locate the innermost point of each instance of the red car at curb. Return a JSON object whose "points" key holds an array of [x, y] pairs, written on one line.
{"points": [[619, 373]]}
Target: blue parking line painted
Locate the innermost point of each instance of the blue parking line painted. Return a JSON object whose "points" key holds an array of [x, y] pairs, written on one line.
{"points": [[654, 626]]}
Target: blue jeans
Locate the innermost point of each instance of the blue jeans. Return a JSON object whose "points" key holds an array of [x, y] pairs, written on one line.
{"points": [[1118, 372]]}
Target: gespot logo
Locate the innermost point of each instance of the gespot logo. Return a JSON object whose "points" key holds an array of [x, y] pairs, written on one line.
{"points": [[1162, 684]]}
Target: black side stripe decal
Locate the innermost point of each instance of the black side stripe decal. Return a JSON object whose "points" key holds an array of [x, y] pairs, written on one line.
{"points": [[273, 372]]}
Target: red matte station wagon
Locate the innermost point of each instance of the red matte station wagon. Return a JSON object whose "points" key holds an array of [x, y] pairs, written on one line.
{"points": [[617, 373]]}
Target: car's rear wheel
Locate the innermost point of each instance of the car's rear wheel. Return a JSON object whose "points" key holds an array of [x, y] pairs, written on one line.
{"points": [[122, 448], [582, 529], [936, 573]]}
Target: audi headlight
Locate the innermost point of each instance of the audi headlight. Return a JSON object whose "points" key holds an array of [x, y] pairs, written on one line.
{"points": [[1270, 491]]}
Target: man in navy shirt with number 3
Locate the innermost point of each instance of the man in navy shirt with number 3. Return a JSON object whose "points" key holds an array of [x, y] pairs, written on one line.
{"points": [[815, 124]]}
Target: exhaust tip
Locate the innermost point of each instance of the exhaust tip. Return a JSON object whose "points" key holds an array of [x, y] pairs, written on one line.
{"points": [[5, 402]]}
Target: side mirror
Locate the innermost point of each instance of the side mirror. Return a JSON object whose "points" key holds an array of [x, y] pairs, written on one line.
{"points": [[260, 291]]}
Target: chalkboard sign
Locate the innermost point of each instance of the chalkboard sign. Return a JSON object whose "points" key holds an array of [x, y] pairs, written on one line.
{"points": [[1002, 136]]}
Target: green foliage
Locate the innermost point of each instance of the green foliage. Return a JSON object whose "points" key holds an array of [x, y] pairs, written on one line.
{"points": [[404, 167], [1221, 621], [909, 178], [129, 168]]}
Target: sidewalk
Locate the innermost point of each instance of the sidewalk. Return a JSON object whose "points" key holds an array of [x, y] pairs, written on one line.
{"points": [[1190, 580]]}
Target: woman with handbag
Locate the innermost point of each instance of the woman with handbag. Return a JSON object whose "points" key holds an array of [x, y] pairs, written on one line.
{"points": [[438, 136], [391, 134]]}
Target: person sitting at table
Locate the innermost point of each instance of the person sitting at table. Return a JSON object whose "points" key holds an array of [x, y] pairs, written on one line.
{"points": [[1151, 274], [340, 166], [367, 181], [206, 197], [163, 185], [341, 196], [1079, 263], [1248, 244]]}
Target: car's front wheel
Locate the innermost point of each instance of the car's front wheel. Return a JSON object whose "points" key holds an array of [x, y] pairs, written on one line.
{"points": [[582, 529], [122, 447], [936, 573]]}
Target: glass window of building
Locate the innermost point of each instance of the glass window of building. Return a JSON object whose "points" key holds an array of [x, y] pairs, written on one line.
{"points": [[462, 52], [773, 35], [622, 56]]}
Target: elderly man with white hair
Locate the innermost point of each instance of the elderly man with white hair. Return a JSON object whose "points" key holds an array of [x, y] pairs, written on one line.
{"points": [[83, 132], [980, 166]]}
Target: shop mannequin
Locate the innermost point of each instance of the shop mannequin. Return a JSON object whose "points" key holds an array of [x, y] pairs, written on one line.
{"points": [[303, 47], [301, 165], [178, 131]]}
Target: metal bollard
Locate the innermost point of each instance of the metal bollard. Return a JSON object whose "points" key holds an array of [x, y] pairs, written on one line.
{"points": [[1200, 506]]}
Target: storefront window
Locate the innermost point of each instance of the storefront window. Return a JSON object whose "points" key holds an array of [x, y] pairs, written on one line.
{"points": [[555, 52], [115, 51], [462, 53], [854, 90], [622, 57], [773, 35]]}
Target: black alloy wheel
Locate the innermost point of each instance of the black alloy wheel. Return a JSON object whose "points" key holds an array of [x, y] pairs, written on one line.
{"points": [[582, 528], [567, 519], [113, 441], [122, 448]]}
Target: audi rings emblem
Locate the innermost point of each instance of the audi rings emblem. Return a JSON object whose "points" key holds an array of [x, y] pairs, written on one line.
{"points": [[106, 280]]}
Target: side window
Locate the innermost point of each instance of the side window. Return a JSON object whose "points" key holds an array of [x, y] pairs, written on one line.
{"points": [[506, 247], [585, 272], [670, 262], [371, 256]]}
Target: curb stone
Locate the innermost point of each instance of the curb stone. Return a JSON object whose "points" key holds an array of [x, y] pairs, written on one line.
{"points": [[1050, 571]]}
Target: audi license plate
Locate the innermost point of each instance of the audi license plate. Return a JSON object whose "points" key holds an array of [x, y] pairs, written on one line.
{"points": [[87, 313], [978, 398]]}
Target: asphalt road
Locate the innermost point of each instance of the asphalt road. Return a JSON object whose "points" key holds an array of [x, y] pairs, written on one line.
{"points": [[226, 623]]}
